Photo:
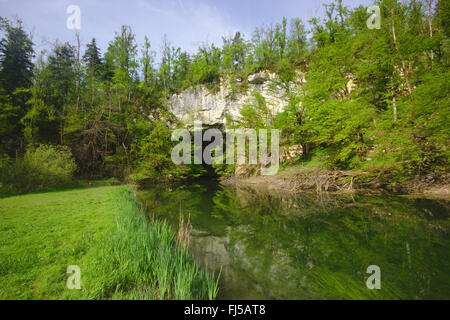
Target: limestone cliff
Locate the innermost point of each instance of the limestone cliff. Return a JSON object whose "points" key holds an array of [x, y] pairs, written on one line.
{"points": [[201, 104]]}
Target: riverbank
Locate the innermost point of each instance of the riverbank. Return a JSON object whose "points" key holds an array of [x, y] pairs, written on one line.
{"points": [[317, 179], [102, 230]]}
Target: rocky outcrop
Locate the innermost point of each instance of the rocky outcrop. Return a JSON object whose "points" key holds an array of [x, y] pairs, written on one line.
{"points": [[201, 104]]}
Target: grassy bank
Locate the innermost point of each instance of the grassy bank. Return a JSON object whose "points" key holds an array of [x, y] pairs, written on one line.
{"points": [[104, 232]]}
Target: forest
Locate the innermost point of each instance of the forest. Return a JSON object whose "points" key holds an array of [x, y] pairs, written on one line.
{"points": [[74, 112]]}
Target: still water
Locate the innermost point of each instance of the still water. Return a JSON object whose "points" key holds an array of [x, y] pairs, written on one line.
{"points": [[309, 246]]}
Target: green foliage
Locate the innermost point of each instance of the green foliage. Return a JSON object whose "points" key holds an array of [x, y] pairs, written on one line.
{"points": [[223, 169], [16, 74], [92, 58], [358, 104], [43, 167], [16, 52], [155, 162], [205, 66], [343, 127], [155, 151], [256, 113]]}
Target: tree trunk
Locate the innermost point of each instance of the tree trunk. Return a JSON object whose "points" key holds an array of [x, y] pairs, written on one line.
{"points": [[394, 104], [430, 22], [394, 100], [404, 69], [78, 70]]}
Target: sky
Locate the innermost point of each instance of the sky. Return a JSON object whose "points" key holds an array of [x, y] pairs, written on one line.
{"points": [[187, 23]]}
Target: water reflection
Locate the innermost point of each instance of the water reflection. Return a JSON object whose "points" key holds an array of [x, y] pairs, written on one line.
{"points": [[275, 246]]}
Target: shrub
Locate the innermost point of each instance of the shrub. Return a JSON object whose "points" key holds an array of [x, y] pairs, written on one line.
{"points": [[46, 166]]}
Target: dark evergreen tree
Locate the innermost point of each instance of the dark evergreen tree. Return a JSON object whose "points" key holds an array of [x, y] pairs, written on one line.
{"points": [[16, 72], [92, 58]]}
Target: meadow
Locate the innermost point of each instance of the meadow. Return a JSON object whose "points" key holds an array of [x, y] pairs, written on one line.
{"points": [[102, 230]]}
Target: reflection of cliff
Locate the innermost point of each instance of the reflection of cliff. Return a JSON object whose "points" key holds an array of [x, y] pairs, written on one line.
{"points": [[247, 276], [210, 252]]}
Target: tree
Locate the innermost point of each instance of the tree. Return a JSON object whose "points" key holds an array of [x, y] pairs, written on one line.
{"points": [[92, 59], [16, 54], [443, 16], [61, 80], [206, 65], [94, 69], [16, 72], [121, 56], [296, 41], [147, 63], [36, 105], [265, 50]]}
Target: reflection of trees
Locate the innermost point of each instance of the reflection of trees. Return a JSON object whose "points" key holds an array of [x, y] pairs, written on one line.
{"points": [[309, 246], [165, 201], [332, 241]]}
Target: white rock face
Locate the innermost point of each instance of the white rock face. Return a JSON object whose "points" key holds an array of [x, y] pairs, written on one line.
{"points": [[200, 104]]}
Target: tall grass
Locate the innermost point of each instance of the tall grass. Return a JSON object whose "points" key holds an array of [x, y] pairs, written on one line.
{"points": [[142, 260]]}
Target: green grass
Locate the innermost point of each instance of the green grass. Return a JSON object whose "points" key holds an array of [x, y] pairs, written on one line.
{"points": [[102, 230], [79, 184]]}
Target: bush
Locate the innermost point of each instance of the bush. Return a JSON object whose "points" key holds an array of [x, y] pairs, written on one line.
{"points": [[43, 167]]}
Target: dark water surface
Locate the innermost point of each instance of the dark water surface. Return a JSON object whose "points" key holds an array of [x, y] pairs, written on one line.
{"points": [[308, 246]]}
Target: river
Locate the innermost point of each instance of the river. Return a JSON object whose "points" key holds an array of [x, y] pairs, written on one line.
{"points": [[270, 245]]}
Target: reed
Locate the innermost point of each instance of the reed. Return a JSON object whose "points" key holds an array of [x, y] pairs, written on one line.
{"points": [[143, 260]]}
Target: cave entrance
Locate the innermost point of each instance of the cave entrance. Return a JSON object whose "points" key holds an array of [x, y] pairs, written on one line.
{"points": [[210, 171]]}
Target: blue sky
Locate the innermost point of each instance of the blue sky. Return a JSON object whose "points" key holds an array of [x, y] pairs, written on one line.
{"points": [[187, 23]]}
